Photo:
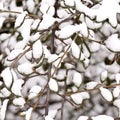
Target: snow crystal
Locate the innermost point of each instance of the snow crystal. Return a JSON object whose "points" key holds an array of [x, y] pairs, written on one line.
{"points": [[104, 75], [77, 79], [25, 68], [34, 91], [37, 50], [7, 77], [79, 97], [75, 50], [102, 117], [14, 54], [107, 95], [113, 43], [20, 19], [17, 86], [83, 118], [3, 109], [53, 85], [19, 101], [91, 85]]}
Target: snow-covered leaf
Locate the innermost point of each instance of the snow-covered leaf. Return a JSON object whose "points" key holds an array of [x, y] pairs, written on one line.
{"points": [[70, 2], [25, 68], [113, 43], [117, 78], [79, 97], [104, 75], [77, 79], [52, 58], [107, 95], [102, 117], [7, 77], [53, 85], [28, 113], [19, 101], [48, 118], [83, 118], [3, 109], [14, 54], [52, 113], [20, 19], [34, 91], [91, 85], [17, 86], [4, 92], [37, 50], [75, 50], [117, 103], [116, 91]]}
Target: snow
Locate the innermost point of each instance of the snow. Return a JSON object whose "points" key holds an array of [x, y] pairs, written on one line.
{"points": [[91, 85], [25, 68], [44, 8], [20, 19], [52, 58], [107, 95], [48, 118], [51, 11], [83, 118], [2, 19], [69, 30], [17, 86], [117, 78], [34, 91], [110, 14], [104, 75], [7, 77], [30, 5], [75, 50], [3, 109], [70, 2], [46, 22], [28, 113], [79, 97], [52, 113], [117, 103], [19, 101], [35, 24], [116, 91], [102, 117], [77, 79], [53, 85], [113, 43], [14, 54], [4, 92], [37, 50]]}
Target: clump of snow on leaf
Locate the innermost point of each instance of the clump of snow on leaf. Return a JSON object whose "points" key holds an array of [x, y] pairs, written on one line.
{"points": [[25, 68], [83, 118], [79, 97], [20, 19], [102, 117], [113, 43], [77, 79], [7, 77], [116, 91], [103, 75], [19, 101], [34, 91], [17, 86], [3, 109], [53, 85], [107, 95], [91, 85]]}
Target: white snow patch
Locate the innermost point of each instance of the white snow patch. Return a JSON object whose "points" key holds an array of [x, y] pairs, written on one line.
{"points": [[91, 85], [4, 93], [3, 109], [102, 117], [17, 86], [83, 118], [34, 91], [79, 97], [19, 101], [117, 103], [104, 75], [28, 113], [107, 95], [116, 91], [7, 77], [53, 85], [75, 50], [113, 43], [77, 79]]}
